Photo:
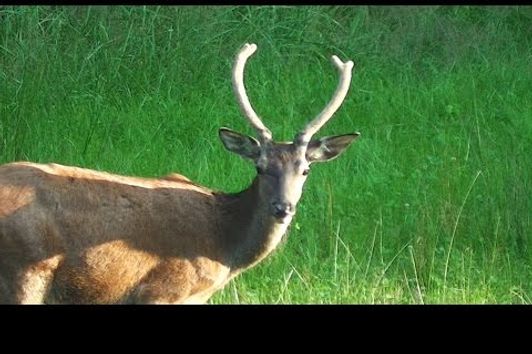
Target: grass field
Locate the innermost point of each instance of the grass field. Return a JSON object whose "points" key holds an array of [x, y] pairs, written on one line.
{"points": [[431, 205]]}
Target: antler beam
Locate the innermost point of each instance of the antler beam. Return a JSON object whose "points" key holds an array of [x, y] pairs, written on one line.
{"points": [[240, 91], [345, 71]]}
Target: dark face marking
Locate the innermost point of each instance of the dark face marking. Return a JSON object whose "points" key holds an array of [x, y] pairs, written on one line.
{"points": [[281, 169]]}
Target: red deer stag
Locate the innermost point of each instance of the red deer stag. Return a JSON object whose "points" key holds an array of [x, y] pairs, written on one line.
{"points": [[72, 235]]}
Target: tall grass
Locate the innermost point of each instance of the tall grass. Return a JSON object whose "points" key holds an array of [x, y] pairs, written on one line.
{"points": [[431, 205]]}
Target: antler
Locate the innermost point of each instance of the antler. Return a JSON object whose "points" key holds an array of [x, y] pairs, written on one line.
{"points": [[311, 128], [240, 91]]}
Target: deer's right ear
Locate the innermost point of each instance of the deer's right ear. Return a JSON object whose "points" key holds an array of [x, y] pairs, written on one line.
{"points": [[240, 144]]}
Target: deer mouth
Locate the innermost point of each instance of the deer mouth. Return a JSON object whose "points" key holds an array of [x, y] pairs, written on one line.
{"points": [[283, 220]]}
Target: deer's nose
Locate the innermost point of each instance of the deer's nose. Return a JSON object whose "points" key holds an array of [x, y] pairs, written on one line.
{"points": [[282, 209]]}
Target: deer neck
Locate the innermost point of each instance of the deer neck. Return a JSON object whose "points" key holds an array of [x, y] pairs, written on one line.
{"points": [[251, 230]]}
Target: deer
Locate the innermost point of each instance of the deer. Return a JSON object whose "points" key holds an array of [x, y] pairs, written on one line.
{"points": [[79, 236]]}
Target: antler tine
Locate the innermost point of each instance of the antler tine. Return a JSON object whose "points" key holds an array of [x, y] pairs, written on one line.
{"points": [[345, 71], [240, 91]]}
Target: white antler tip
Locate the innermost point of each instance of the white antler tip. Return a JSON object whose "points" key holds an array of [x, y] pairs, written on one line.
{"points": [[249, 48], [340, 64]]}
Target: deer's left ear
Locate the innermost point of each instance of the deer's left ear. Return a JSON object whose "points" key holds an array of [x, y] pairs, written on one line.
{"points": [[329, 147], [240, 144]]}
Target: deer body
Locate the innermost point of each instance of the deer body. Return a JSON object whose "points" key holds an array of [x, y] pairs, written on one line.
{"points": [[73, 235], [69, 234]]}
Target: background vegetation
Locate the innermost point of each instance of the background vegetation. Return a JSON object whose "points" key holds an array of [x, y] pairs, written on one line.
{"points": [[431, 205]]}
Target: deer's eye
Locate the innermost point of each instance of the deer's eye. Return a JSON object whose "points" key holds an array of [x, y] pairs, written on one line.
{"points": [[306, 171]]}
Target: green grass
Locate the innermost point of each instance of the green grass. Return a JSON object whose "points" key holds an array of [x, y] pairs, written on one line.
{"points": [[431, 205]]}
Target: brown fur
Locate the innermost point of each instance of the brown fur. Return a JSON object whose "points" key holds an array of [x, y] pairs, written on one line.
{"points": [[71, 235]]}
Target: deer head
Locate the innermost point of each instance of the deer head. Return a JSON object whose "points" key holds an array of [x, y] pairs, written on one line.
{"points": [[282, 167]]}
